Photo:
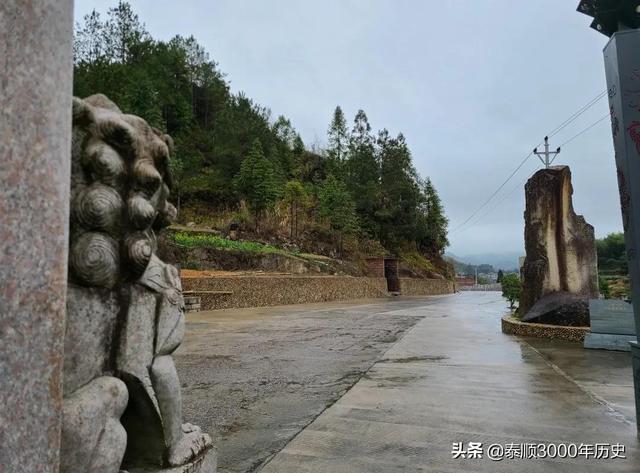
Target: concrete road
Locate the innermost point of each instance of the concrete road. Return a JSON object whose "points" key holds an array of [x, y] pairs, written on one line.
{"points": [[256, 377], [452, 377]]}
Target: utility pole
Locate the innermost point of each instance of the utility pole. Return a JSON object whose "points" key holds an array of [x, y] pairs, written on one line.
{"points": [[546, 153]]}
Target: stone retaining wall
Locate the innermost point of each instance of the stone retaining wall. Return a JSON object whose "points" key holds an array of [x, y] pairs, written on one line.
{"points": [[481, 287], [513, 326], [425, 287], [257, 291]]}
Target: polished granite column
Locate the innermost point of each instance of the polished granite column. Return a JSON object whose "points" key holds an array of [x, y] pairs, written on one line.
{"points": [[35, 138]]}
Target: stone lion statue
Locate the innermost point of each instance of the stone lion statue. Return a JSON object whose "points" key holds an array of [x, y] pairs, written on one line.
{"points": [[125, 312]]}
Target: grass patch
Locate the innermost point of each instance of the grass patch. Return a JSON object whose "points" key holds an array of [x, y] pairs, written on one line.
{"points": [[619, 286], [192, 240], [418, 262]]}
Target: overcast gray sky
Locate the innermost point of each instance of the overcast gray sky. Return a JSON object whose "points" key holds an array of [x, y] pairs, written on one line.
{"points": [[474, 85]]}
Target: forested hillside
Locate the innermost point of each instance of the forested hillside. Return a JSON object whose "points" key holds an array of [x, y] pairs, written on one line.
{"points": [[235, 162]]}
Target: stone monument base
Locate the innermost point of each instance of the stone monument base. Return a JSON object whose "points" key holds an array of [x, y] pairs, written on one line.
{"points": [[560, 308], [612, 325], [608, 341]]}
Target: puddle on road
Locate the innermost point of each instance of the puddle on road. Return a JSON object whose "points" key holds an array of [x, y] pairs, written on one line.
{"points": [[395, 381], [193, 325], [413, 359]]}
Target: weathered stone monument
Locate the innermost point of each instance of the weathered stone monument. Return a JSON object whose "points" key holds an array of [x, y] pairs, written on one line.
{"points": [[125, 310], [560, 269]]}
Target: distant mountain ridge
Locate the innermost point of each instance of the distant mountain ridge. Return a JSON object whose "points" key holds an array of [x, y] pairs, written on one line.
{"points": [[506, 261]]}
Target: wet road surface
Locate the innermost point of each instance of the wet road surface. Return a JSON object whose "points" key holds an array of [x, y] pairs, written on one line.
{"points": [[256, 377], [428, 372]]}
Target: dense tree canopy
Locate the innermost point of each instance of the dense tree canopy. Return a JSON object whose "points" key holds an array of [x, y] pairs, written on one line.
{"points": [[612, 255], [229, 149]]}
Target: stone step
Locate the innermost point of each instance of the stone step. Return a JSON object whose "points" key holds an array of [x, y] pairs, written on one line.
{"points": [[216, 293], [192, 303]]}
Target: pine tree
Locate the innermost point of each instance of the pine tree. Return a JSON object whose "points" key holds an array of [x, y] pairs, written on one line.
{"points": [[256, 181], [285, 140], [298, 145], [89, 44], [295, 196], [399, 192], [124, 33], [338, 141], [335, 204], [433, 239], [362, 177], [298, 157]]}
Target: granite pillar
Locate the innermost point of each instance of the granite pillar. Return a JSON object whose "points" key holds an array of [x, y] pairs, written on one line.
{"points": [[622, 69], [35, 137]]}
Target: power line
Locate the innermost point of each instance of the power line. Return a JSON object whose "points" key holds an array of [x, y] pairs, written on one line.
{"points": [[491, 209], [556, 130], [495, 192], [580, 111], [586, 129]]}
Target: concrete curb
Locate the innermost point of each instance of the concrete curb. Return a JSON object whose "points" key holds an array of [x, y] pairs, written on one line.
{"points": [[513, 326]]}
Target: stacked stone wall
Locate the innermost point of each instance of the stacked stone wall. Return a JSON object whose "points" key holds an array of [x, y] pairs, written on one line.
{"points": [[258, 291]]}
